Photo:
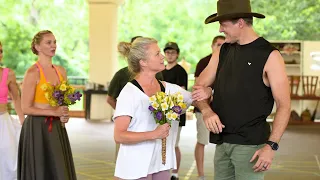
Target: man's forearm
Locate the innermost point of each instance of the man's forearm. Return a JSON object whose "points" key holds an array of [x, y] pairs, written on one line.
{"points": [[203, 106], [280, 123]]}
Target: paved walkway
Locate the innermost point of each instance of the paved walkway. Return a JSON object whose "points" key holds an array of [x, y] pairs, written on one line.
{"points": [[94, 152]]}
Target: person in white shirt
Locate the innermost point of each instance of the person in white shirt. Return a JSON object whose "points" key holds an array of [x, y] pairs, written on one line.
{"points": [[135, 128]]}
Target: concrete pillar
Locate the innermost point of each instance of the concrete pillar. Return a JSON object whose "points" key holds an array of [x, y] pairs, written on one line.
{"points": [[103, 23]]}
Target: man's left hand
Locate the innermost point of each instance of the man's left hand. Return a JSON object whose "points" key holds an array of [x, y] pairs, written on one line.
{"points": [[265, 156]]}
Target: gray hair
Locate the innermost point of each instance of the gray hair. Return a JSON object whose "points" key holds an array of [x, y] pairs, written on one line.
{"points": [[135, 51]]}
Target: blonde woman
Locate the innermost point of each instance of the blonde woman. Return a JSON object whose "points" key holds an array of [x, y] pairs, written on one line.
{"points": [[135, 128], [44, 148]]}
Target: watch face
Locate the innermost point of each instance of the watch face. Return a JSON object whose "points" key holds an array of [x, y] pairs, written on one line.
{"points": [[275, 146]]}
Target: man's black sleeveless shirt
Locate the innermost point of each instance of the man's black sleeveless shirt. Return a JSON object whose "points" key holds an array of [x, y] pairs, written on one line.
{"points": [[241, 99]]}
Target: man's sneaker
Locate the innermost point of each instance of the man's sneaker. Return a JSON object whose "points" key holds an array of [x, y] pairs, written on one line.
{"points": [[174, 178], [201, 178]]}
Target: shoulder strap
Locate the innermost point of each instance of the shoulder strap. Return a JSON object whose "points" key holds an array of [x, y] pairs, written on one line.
{"points": [[135, 82], [58, 73], [163, 89], [41, 71]]}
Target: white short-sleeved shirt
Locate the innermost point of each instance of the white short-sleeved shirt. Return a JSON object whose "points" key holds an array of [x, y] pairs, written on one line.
{"points": [[135, 161]]}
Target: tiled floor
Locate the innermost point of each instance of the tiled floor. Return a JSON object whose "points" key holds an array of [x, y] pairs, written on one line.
{"points": [[94, 152]]}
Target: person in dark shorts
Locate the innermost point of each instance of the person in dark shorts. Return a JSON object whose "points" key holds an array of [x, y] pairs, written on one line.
{"points": [[248, 76], [176, 74]]}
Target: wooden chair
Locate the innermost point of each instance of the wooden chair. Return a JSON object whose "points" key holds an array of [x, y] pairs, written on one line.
{"points": [[294, 82], [309, 84]]}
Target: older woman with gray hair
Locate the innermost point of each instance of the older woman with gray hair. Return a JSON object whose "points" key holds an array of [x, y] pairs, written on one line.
{"points": [[135, 128]]}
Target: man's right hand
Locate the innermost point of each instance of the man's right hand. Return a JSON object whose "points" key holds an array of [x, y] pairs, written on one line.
{"points": [[212, 121]]}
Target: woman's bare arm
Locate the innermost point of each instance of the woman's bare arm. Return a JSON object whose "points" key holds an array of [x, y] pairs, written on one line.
{"points": [[15, 95], [123, 136], [28, 92]]}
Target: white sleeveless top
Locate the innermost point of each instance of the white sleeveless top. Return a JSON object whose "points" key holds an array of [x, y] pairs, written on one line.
{"points": [[135, 161]]}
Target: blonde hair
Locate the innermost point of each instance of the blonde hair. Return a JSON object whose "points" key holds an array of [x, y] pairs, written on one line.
{"points": [[135, 51], [37, 39]]}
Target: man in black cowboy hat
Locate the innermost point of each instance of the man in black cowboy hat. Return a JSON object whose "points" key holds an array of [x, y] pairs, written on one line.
{"points": [[248, 75]]}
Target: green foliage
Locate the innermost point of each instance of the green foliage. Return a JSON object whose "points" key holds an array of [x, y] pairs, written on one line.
{"points": [[68, 20], [289, 19], [166, 20], [181, 21]]}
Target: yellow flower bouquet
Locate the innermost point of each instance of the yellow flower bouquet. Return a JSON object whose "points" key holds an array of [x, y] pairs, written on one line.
{"points": [[61, 95], [165, 109]]}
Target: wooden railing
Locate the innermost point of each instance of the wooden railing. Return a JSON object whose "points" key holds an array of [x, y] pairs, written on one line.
{"points": [[79, 113], [304, 88], [77, 82], [309, 86]]}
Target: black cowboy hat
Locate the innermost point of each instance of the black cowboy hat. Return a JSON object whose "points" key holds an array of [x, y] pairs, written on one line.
{"points": [[231, 9]]}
